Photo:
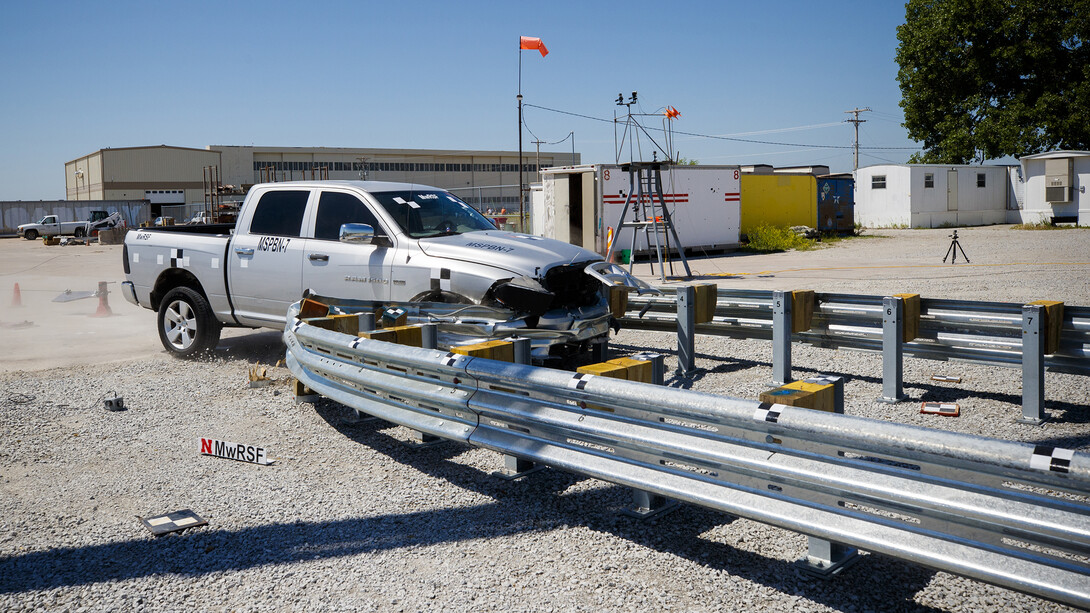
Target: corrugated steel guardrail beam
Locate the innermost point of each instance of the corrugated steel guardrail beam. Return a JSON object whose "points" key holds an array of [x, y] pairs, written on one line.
{"points": [[969, 505]]}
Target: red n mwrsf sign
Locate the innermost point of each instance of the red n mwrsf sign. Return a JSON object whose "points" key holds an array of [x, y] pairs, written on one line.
{"points": [[234, 451]]}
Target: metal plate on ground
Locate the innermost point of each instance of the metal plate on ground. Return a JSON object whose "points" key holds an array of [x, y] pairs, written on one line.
{"points": [[173, 522]]}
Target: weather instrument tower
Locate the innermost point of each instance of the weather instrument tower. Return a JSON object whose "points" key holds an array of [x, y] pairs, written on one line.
{"points": [[644, 207]]}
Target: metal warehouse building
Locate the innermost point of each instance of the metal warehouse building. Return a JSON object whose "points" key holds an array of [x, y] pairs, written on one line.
{"points": [[176, 175]]}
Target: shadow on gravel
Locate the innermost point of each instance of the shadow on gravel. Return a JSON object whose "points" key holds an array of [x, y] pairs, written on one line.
{"points": [[256, 347], [436, 460], [531, 506]]}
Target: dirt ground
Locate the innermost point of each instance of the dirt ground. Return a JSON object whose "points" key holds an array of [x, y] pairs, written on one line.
{"points": [[1005, 265]]}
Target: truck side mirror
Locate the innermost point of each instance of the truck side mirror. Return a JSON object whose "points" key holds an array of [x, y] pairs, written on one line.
{"points": [[357, 233]]}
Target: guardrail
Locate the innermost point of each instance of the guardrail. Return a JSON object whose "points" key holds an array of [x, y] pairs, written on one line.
{"points": [[991, 333], [1001, 512]]}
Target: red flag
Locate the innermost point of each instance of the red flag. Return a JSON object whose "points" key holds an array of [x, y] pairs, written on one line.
{"points": [[672, 113], [532, 42]]}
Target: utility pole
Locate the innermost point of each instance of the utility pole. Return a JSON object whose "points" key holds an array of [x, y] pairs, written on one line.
{"points": [[857, 121], [538, 143]]}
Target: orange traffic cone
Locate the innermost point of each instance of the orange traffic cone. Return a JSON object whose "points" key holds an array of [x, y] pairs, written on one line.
{"points": [[16, 297], [103, 303]]}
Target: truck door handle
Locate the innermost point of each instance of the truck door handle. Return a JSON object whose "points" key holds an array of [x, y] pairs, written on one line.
{"points": [[319, 257], [244, 251]]}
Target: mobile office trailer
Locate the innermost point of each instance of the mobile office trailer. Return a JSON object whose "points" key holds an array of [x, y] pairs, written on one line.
{"points": [[579, 204]]}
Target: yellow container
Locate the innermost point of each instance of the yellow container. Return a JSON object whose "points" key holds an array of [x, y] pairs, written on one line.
{"points": [[778, 200]]}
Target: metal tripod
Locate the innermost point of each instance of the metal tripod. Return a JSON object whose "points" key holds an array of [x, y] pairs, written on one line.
{"points": [[955, 246], [645, 196]]}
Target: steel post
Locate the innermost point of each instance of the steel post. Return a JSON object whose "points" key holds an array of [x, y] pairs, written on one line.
{"points": [[781, 337], [515, 467], [646, 505], [367, 322], [429, 336], [1033, 364], [686, 331], [893, 312], [825, 558]]}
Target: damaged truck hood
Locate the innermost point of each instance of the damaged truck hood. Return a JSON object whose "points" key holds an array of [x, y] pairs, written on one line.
{"points": [[521, 254]]}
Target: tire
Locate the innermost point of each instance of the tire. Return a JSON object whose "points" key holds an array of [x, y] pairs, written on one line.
{"points": [[30, 235], [79, 232], [187, 326]]}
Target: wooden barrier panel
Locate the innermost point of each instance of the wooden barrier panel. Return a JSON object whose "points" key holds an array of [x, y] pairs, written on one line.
{"points": [[1054, 319], [802, 310], [817, 396], [618, 300], [910, 327], [706, 297]]}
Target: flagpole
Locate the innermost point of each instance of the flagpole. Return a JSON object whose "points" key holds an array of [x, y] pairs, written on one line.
{"points": [[521, 217]]}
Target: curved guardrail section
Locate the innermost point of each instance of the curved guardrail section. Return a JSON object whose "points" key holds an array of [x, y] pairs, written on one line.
{"points": [[1002, 512]]}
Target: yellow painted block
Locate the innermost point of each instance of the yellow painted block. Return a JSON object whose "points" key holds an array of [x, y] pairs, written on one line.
{"points": [[605, 369], [387, 336], [408, 335], [618, 300], [911, 323], [503, 351], [1054, 319], [636, 370], [802, 310], [705, 302], [804, 395]]}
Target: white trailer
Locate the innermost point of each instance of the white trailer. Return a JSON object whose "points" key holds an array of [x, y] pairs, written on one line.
{"points": [[579, 204]]}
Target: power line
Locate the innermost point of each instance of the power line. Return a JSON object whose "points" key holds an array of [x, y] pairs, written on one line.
{"points": [[735, 139]]}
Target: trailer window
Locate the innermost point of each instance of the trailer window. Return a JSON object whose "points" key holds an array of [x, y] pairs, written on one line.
{"points": [[980, 180], [878, 182], [929, 179], [280, 213]]}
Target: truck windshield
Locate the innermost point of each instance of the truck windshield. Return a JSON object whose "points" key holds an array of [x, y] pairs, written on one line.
{"points": [[424, 214]]}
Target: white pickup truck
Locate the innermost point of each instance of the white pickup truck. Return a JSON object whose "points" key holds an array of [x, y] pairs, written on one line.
{"points": [[49, 226], [371, 243]]}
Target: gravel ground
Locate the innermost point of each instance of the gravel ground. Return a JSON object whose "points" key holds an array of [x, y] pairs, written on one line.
{"points": [[351, 518]]}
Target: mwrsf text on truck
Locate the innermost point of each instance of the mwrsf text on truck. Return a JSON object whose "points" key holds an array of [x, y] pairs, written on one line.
{"points": [[368, 243]]}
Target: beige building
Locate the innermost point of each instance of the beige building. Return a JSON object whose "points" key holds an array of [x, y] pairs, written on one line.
{"points": [[175, 175], [159, 174]]}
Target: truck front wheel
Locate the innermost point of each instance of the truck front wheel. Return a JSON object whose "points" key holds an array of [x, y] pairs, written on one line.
{"points": [[187, 326], [30, 235]]}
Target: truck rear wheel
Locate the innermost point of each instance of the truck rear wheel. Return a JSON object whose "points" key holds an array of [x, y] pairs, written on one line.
{"points": [[187, 326], [79, 232], [30, 235]]}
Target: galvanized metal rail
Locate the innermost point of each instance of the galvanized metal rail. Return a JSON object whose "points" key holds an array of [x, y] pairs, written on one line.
{"points": [[1001, 512], [990, 333]]}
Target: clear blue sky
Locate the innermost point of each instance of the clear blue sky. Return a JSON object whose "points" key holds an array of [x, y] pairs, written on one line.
{"points": [[82, 76]]}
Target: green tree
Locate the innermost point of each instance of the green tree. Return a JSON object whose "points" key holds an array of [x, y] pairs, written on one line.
{"points": [[981, 79]]}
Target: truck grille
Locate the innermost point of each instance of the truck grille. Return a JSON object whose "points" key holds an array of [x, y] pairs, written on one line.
{"points": [[571, 286]]}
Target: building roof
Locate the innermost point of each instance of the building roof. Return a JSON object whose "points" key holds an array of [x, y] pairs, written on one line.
{"points": [[1063, 153]]}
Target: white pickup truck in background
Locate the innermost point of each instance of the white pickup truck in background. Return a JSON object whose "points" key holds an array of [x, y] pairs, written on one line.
{"points": [[382, 243], [49, 226]]}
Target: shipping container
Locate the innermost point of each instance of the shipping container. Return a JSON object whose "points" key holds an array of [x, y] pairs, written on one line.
{"points": [[836, 203], [582, 205], [778, 200]]}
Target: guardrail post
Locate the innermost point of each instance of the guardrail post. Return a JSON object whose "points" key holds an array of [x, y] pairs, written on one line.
{"points": [[367, 322], [429, 336], [825, 558], [781, 337], [893, 311], [646, 504], [515, 467], [686, 331], [1033, 365]]}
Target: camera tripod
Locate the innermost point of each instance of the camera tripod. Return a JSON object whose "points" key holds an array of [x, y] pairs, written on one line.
{"points": [[955, 246]]}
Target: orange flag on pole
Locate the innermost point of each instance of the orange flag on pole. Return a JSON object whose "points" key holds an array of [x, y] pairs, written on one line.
{"points": [[532, 42]]}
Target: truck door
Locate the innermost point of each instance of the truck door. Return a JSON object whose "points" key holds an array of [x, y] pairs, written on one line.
{"points": [[265, 263], [342, 270]]}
